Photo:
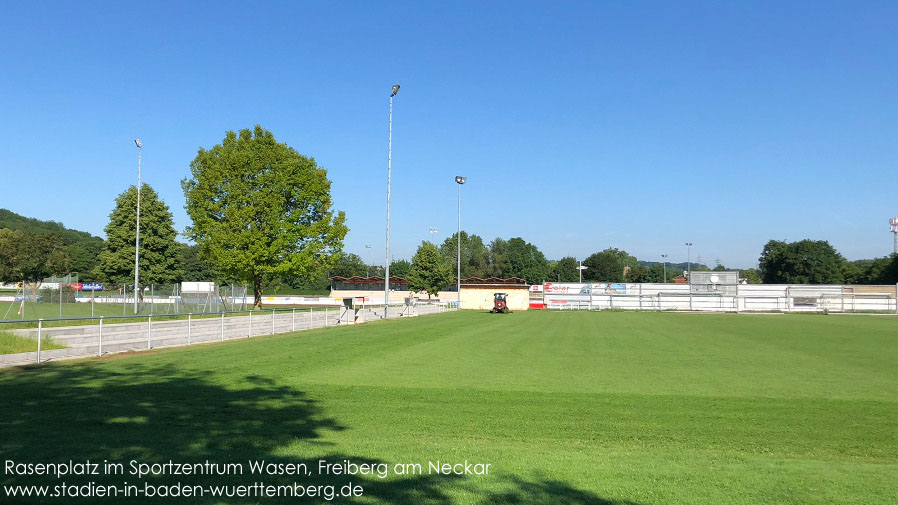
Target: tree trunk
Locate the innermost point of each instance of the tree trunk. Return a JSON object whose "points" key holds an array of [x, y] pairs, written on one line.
{"points": [[257, 292], [35, 289]]}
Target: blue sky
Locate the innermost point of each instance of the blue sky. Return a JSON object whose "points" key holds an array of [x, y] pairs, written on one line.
{"points": [[580, 125]]}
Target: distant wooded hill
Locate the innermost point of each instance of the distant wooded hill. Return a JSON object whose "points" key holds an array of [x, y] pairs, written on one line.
{"points": [[82, 247], [675, 266], [13, 221]]}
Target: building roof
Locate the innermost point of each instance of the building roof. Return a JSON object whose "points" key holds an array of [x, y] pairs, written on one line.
{"points": [[374, 279], [511, 281], [470, 281]]}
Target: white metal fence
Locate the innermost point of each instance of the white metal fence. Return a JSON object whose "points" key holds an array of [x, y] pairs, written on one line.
{"points": [[96, 336], [735, 298]]}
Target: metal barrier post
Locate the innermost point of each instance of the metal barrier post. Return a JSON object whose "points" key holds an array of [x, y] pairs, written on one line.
{"points": [[222, 326], [100, 350], [272, 321], [325, 317], [293, 320], [250, 332], [188, 329], [310, 318], [149, 332], [40, 325]]}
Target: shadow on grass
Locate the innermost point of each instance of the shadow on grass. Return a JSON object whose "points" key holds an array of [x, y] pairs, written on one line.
{"points": [[156, 414]]}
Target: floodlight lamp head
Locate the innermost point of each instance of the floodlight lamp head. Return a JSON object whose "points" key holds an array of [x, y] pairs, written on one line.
{"points": [[137, 143], [395, 90], [461, 180]]}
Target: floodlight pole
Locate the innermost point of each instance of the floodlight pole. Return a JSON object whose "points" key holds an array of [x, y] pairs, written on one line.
{"points": [[389, 170], [664, 261], [459, 181], [689, 262], [893, 223], [137, 236], [367, 267]]}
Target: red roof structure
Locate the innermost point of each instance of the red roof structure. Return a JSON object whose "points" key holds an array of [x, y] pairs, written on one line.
{"points": [[511, 281], [374, 279]]}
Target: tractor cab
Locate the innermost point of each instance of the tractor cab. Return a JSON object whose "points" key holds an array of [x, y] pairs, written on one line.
{"points": [[500, 303]]}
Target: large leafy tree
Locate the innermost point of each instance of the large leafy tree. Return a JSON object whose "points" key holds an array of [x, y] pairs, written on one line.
{"points": [[473, 254], [643, 273], [872, 271], [565, 270], [610, 265], [802, 262], [31, 257], [751, 275], [159, 252], [261, 208], [429, 271], [523, 259], [888, 274], [400, 268], [495, 261], [349, 265], [85, 256], [639, 273], [193, 267]]}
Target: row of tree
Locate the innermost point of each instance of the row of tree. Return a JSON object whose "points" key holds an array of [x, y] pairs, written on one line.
{"points": [[801, 262], [817, 262], [261, 214], [259, 210], [80, 249], [35, 253], [516, 257], [33, 256]]}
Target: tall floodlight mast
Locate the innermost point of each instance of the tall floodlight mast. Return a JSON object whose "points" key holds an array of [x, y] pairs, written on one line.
{"points": [[137, 235], [459, 180], [389, 169]]}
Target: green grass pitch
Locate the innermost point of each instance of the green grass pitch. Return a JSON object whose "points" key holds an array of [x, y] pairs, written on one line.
{"points": [[567, 407]]}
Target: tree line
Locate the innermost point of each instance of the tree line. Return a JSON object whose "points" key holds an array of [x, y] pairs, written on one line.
{"points": [[515, 257], [818, 262], [261, 213]]}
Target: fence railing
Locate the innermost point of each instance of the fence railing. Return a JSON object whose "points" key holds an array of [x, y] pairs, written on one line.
{"points": [[61, 301], [96, 336], [826, 303]]}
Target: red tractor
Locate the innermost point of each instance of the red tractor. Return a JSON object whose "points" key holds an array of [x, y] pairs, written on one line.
{"points": [[500, 303]]}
